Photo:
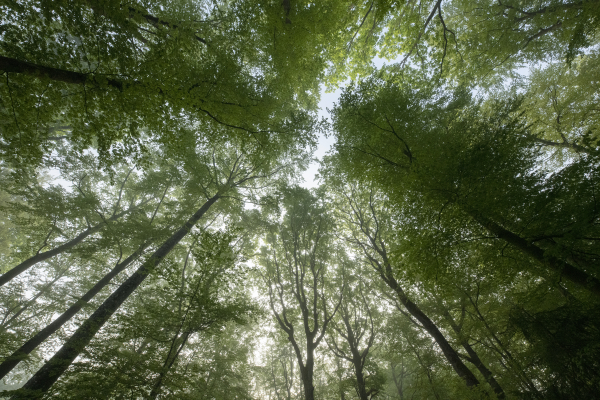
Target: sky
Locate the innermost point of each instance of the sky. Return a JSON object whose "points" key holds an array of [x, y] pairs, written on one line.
{"points": [[324, 144]]}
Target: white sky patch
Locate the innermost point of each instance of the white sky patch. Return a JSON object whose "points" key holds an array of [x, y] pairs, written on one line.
{"points": [[325, 144]]}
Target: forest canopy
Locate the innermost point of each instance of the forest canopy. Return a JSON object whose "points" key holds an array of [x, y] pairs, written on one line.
{"points": [[157, 240]]}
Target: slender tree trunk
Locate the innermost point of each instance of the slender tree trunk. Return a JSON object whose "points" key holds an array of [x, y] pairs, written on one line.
{"points": [[289, 385], [384, 269], [307, 373], [32, 300], [449, 352], [357, 360], [360, 378], [339, 373], [58, 364], [178, 345], [474, 357], [31, 261], [512, 364], [487, 374], [274, 381], [399, 385], [564, 269], [55, 325]]}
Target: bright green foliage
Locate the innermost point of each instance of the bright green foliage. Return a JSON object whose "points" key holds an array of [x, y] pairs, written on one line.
{"points": [[443, 167], [561, 103], [480, 41], [139, 68], [453, 154], [455, 233], [192, 301]]}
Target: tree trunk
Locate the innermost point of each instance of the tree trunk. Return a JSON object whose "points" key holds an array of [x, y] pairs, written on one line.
{"points": [[357, 360], [399, 385], [55, 325], [52, 370], [178, 345], [307, 373], [450, 354], [487, 374], [61, 75], [564, 269], [474, 358], [360, 379], [30, 262]]}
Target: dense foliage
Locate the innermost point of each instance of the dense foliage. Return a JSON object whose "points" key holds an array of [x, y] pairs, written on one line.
{"points": [[156, 240]]}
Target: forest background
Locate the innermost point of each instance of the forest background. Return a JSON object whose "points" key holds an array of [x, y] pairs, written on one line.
{"points": [[156, 240]]}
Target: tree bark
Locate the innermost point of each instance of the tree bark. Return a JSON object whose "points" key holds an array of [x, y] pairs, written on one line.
{"points": [[449, 352], [40, 383], [307, 372], [31, 261], [474, 358], [487, 374], [564, 269], [360, 378], [23, 67], [20, 354]]}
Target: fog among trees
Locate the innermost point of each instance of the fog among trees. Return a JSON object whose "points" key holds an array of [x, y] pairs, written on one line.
{"points": [[158, 241]]}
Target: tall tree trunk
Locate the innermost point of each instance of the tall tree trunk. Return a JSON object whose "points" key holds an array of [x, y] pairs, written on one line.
{"points": [[58, 364], [360, 379], [511, 363], [20, 354], [487, 374], [31, 261], [384, 269], [307, 373], [474, 357], [448, 351], [564, 269]]}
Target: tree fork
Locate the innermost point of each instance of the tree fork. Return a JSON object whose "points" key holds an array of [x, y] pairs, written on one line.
{"points": [[51, 371]]}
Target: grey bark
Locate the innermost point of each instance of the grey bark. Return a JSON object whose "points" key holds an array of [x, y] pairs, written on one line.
{"points": [[20, 354], [40, 383]]}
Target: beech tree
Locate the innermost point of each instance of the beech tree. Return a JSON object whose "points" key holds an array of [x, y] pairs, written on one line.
{"points": [[484, 190], [354, 334], [298, 268], [472, 176], [156, 242]]}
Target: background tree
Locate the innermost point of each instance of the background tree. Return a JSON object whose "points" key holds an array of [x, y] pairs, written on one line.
{"points": [[466, 186], [353, 332], [298, 267]]}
